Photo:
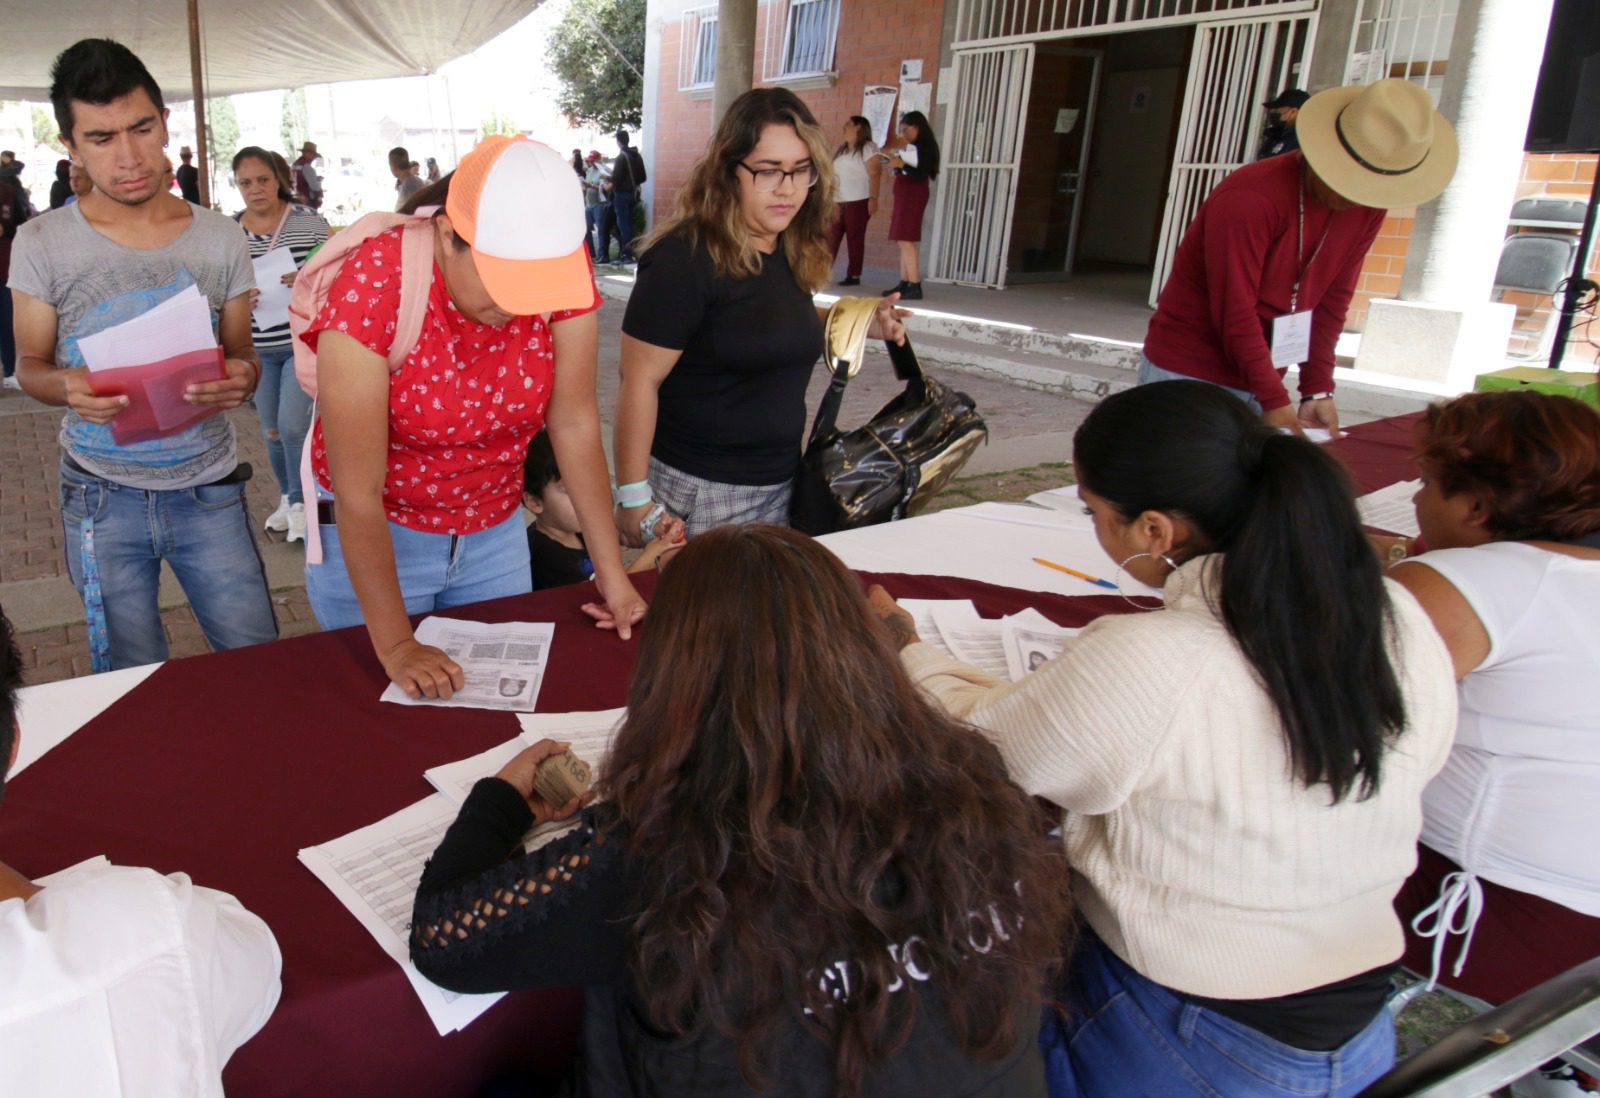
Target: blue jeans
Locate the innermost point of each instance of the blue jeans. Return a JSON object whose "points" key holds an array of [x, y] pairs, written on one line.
{"points": [[436, 571], [203, 533], [285, 412], [622, 206], [1149, 373], [1125, 1034]]}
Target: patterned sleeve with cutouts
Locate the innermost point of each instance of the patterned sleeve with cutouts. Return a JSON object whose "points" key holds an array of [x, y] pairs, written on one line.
{"points": [[491, 917]]}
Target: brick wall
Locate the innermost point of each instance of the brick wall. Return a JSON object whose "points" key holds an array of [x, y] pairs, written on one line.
{"points": [[873, 40], [1561, 174]]}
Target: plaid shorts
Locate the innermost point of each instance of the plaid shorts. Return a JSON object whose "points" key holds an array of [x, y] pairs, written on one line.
{"points": [[703, 504]]}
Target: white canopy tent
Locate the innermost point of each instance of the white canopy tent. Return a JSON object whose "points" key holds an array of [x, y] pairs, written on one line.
{"points": [[253, 47]]}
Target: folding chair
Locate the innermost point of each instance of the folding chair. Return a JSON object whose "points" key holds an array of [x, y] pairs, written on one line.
{"points": [[1560, 1017]]}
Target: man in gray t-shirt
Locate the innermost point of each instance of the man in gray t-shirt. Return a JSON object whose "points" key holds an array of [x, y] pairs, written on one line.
{"points": [[121, 250]]}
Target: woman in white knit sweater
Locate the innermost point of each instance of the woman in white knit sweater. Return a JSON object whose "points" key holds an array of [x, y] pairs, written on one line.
{"points": [[1241, 772]]}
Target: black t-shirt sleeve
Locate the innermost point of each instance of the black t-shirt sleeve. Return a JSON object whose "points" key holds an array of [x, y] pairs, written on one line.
{"points": [[671, 293], [555, 565], [489, 917]]}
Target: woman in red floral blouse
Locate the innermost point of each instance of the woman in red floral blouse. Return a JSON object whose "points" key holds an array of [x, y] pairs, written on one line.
{"points": [[425, 464]]}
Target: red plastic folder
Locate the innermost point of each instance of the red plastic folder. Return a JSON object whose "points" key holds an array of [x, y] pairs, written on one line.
{"points": [[155, 390]]}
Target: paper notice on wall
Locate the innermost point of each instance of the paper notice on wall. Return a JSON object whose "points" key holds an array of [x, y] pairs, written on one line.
{"points": [[915, 96], [1367, 66], [877, 107], [1066, 119], [911, 70]]}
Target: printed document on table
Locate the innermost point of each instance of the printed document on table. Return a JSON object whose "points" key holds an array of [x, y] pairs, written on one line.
{"points": [[503, 664], [272, 304], [1391, 508], [374, 872], [1031, 639], [177, 326], [973, 640], [588, 734], [921, 611]]}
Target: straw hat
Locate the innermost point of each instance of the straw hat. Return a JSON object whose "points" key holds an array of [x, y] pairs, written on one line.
{"points": [[1382, 145]]}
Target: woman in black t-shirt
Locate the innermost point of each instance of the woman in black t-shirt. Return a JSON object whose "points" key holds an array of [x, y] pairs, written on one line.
{"points": [[721, 334]]}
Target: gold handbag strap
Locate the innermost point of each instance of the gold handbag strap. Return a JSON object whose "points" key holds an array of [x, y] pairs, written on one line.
{"points": [[846, 331]]}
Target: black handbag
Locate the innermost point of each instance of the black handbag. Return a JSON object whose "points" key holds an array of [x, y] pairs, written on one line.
{"points": [[892, 466]]}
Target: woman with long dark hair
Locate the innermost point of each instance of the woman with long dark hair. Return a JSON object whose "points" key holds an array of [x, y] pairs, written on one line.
{"points": [[1242, 770], [914, 158], [721, 333], [801, 879], [858, 173]]}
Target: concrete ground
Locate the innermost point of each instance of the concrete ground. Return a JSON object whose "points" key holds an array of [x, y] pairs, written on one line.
{"points": [[1027, 429]]}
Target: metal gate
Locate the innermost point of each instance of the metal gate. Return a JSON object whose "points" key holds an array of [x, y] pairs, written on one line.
{"points": [[981, 150], [1235, 67]]}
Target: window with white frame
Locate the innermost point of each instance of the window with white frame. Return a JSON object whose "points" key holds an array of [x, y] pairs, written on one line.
{"points": [[810, 29], [698, 57]]}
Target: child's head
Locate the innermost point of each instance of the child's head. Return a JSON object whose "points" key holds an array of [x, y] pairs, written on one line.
{"points": [[542, 490]]}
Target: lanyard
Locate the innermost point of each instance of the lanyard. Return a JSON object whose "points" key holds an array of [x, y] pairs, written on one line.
{"points": [[1300, 245]]}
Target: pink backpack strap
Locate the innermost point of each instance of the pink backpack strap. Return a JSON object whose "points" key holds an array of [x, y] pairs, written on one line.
{"points": [[416, 283]]}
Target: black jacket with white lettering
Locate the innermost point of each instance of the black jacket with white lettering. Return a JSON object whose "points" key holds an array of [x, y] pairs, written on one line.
{"points": [[559, 917]]}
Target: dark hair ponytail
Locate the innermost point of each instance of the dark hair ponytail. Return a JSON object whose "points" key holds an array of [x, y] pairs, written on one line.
{"points": [[1301, 591]]}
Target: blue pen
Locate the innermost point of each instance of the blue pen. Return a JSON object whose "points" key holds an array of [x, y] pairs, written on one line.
{"points": [[1074, 572]]}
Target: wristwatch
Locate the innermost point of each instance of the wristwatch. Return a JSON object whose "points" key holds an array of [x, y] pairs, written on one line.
{"points": [[1307, 398]]}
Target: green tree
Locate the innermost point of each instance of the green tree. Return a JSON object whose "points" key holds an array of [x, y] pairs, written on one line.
{"points": [[222, 129], [45, 130], [499, 123], [295, 129], [597, 52]]}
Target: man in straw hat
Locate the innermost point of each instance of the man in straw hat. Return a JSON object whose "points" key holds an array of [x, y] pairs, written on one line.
{"points": [[1264, 276], [307, 183]]}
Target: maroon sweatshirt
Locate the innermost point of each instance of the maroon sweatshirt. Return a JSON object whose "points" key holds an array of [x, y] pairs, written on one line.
{"points": [[1233, 275]]}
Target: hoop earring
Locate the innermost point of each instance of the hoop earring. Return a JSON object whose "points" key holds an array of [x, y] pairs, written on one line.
{"points": [[1117, 577]]}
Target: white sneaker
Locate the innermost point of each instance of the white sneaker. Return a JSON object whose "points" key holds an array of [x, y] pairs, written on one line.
{"points": [[11, 382], [279, 519], [297, 522]]}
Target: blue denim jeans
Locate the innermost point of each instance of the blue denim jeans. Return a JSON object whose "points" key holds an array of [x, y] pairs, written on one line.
{"points": [[436, 571], [202, 533], [1125, 1034], [285, 412], [1149, 372]]}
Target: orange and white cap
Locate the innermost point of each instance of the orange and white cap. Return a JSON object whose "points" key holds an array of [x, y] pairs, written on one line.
{"points": [[519, 205]]}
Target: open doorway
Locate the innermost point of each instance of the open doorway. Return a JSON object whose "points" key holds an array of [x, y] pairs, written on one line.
{"points": [[1102, 117]]}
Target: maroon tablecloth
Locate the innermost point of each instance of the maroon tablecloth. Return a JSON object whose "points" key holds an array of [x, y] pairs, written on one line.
{"points": [[224, 766], [1379, 453]]}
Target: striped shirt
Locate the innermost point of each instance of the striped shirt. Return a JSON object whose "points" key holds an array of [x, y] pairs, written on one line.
{"points": [[301, 234]]}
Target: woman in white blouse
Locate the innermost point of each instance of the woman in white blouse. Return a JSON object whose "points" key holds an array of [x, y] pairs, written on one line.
{"points": [[858, 175], [1510, 512]]}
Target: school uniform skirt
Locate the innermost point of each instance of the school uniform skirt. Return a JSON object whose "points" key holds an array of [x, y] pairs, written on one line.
{"points": [[910, 200]]}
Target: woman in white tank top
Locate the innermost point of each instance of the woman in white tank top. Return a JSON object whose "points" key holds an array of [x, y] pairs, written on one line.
{"points": [[1510, 512]]}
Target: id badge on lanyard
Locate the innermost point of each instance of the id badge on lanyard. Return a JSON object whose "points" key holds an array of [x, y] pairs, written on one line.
{"points": [[1291, 333]]}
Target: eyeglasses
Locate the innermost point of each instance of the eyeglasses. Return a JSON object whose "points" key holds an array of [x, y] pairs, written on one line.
{"points": [[767, 179]]}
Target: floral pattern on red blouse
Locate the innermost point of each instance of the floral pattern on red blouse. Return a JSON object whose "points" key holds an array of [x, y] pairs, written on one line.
{"points": [[462, 407]]}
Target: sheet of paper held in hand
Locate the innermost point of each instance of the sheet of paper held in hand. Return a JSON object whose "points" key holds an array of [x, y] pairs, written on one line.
{"points": [[272, 305], [1007, 648], [1391, 508], [374, 873], [503, 664], [152, 359]]}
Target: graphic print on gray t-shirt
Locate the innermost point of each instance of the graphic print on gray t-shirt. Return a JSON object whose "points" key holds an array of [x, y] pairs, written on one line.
{"points": [[93, 283]]}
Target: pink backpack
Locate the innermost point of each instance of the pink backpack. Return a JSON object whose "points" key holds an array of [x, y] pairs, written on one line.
{"points": [[310, 293]]}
